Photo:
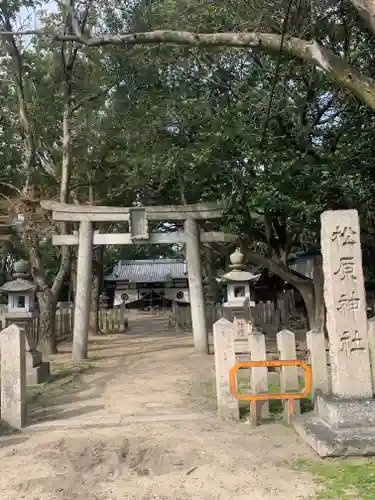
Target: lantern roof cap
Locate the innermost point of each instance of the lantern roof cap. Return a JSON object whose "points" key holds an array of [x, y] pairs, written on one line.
{"points": [[237, 272], [239, 276], [18, 285]]}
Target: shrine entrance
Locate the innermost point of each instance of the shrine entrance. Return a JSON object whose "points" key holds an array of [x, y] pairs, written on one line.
{"points": [[151, 302], [137, 219]]}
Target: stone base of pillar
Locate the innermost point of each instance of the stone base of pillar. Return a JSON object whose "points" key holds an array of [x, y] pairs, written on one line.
{"points": [[39, 374], [37, 371], [339, 427]]}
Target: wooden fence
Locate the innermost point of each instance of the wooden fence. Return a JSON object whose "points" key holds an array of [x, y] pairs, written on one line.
{"points": [[181, 316], [270, 317], [110, 321], [267, 316]]}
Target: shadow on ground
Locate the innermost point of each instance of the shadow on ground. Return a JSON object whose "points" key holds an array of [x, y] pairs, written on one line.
{"points": [[48, 403]]}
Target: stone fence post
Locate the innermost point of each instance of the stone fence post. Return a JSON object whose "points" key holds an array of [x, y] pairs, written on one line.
{"points": [[13, 376], [286, 344], [225, 358], [316, 346], [259, 375]]}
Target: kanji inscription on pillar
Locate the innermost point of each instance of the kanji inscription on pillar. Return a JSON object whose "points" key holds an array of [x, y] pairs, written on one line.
{"points": [[344, 234], [344, 295], [346, 269], [351, 341]]}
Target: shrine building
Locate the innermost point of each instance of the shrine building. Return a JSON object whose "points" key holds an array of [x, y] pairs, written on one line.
{"points": [[152, 282]]}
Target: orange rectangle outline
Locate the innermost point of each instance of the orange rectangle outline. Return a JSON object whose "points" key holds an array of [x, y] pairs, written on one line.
{"points": [[267, 396]]}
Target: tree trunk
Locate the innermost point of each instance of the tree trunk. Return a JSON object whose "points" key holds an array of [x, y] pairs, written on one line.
{"points": [[307, 292], [73, 278], [94, 306], [310, 290], [97, 271], [312, 294], [47, 312], [212, 292]]}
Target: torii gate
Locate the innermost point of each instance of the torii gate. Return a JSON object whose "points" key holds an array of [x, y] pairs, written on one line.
{"points": [[138, 218]]}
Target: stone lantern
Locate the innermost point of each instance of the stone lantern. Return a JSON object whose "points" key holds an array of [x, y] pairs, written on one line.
{"points": [[103, 300], [239, 303], [20, 292], [22, 311]]}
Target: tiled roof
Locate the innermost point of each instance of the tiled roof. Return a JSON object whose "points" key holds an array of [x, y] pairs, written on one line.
{"points": [[148, 271]]}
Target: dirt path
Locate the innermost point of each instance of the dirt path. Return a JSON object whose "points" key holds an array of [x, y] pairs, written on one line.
{"points": [[136, 428]]}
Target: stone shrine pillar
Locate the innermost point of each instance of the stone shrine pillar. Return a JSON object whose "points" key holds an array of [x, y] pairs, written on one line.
{"points": [[345, 299], [82, 296], [344, 422], [196, 293]]}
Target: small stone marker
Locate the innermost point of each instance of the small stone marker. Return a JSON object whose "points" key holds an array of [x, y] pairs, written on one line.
{"points": [[286, 344], [344, 295], [225, 358], [259, 375], [13, 376], [318, 360]]}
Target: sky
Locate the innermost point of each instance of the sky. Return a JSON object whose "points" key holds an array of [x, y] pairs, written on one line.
{"points": [[27, 18]]}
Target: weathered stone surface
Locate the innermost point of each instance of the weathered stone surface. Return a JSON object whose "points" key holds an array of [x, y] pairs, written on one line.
{"points": [[344, 295], [318, 361], [344, 423], [25, 321], [286, 344], [13, 377], [138, 224], [71, 212], [82, 296], [346, 413], [259, 375], [335, 442], [225, 358]]}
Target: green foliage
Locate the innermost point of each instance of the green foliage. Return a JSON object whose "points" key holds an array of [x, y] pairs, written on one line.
{"points": [[167, 124]]}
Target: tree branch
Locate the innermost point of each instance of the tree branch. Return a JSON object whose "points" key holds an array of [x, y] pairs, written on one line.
{"points": [[282, 271], [103, 93], [307, 50], [18, 78], [366, 9]]}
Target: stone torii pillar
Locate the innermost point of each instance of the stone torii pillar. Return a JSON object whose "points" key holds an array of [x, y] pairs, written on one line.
{"points": [[83, 287], [196, 293]]}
